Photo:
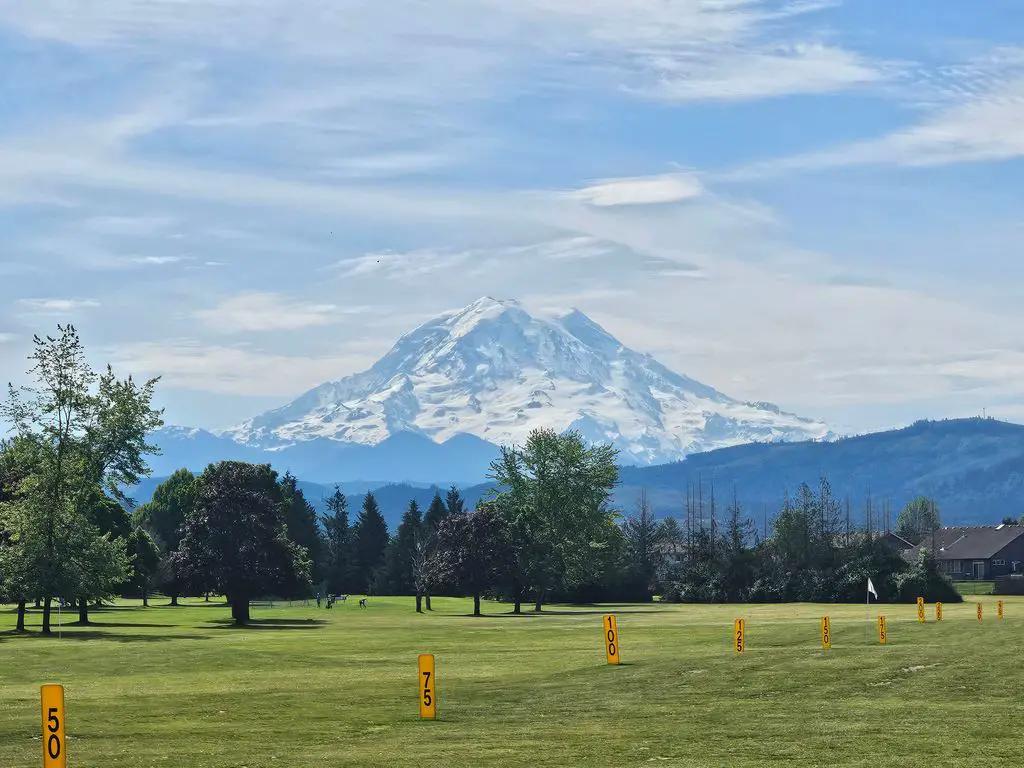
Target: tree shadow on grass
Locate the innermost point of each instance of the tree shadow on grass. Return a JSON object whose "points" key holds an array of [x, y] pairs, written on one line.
{"points": [[278, 624], [120, 637], [546, 612], [121, 624]]}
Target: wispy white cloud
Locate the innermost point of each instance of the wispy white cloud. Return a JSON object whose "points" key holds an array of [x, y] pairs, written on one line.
{"points": [[56, 306], [757, 74], [262, 311], [158, 261], [6, 338], [668, 188], [189, 364], [974, 113]]}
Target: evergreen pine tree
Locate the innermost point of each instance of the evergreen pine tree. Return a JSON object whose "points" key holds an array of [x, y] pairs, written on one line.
{"points": [[300, 521], [338, 572], [371, 542], [401, 553], [436, 512], [454, 502]]}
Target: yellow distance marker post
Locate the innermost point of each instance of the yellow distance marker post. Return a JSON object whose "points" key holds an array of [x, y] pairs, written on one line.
{"points": [[54, 755], [739, 635], [882, 635], [611, 639], [826, 633], [999, 610], [979, 611], [938, 611], [428, 688], [920, 609]]}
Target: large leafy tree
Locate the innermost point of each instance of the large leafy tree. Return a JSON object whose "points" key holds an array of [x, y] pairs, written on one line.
{"points": [[88, 431], [164, 517], [236, 539], [555, 501], [918, 519], [145, 557], [371, 542], [474, 552], [112, 520], [436, 512], [15, 464], [339, 568]]}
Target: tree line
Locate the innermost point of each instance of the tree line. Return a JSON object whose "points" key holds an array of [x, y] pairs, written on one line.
{"points": [[548, 532]]}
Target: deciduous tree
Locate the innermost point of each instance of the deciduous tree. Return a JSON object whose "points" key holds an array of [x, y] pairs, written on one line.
{"points": [[474, 552], [236, 540], [555, 500], [88, 432], [164, 517]]}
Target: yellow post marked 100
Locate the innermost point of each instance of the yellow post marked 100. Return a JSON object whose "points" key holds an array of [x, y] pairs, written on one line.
{"points": [[611, 639]]}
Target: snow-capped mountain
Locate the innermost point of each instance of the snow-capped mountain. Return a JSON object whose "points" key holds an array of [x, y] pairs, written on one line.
{"points": [[494, 371]]}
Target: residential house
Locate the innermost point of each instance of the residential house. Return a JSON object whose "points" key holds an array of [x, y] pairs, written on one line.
{"points": [[975, 552]]}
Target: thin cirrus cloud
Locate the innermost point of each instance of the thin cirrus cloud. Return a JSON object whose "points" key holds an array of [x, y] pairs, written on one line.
{"points": [[973, 114], [56, 306], [256, 311], [650, 190]]}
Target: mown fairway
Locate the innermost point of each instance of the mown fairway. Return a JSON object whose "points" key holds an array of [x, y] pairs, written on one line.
{"points": [[177, 687]]}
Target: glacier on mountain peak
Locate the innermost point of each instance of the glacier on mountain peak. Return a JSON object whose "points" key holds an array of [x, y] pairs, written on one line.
{"points": [[493, 370]]}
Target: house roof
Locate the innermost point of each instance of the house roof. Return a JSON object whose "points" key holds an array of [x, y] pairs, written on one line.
{"points": [[969, 542]]}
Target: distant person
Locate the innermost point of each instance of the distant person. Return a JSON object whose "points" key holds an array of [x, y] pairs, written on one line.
{"points": [[317, 599], [362, 603]]}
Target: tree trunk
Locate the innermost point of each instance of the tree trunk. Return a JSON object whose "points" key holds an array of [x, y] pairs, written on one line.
{"points": [[145, 596], [46, 615], [21, 617], [539, 602], [174, 598], [83, 611], [419, 603], [38, 605], [517, 606], [240, 610], [476, 604], [207, 597], [428, 603]]}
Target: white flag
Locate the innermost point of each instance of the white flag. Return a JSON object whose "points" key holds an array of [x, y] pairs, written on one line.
{"points": [[871, 588]]}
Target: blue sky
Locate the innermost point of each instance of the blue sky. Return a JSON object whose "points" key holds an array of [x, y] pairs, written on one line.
{"points": [[810, 202]]}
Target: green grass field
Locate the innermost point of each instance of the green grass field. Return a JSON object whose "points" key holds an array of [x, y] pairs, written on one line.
{"points": [[178, 687]]}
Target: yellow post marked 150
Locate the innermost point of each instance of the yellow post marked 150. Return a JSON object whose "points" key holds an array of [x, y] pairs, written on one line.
{"points": [[611, 639], [54, 755], [826, 633]]}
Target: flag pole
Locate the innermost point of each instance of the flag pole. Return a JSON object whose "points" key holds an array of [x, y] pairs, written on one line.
{"points": [[867, 613]]}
